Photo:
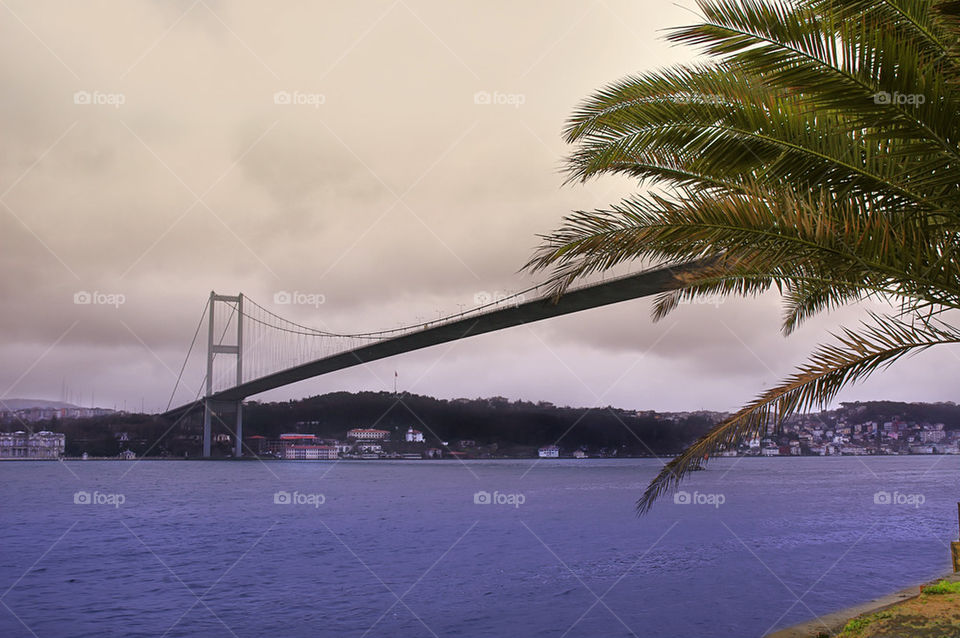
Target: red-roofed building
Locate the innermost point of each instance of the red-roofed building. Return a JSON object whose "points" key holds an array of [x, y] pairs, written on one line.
{"points": [[256, 444], [278, 447]]}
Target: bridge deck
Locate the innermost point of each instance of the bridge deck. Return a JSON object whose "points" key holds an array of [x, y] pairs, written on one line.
{"points": [[613, 291]]}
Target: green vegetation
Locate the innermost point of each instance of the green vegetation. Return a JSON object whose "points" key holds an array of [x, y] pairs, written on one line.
{"points": [[943, 587], [856, 626], [816, 152], [926, 616]]}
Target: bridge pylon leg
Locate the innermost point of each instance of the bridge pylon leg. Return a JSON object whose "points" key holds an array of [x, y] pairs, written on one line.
{"points": [[206, 429], [238, 452], [215, 348]]}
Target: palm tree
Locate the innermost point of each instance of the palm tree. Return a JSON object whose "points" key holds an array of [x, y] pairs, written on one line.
{"points": [[818, 152]]}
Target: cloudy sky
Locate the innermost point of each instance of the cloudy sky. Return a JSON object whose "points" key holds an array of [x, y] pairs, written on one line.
{"points": [[154, 151]]}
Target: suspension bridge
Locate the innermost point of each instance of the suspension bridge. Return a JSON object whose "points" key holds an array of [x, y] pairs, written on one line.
{"points": [[251, 349]]}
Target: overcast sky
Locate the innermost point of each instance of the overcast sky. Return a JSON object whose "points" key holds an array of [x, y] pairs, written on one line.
{"points": [[147, 156]]}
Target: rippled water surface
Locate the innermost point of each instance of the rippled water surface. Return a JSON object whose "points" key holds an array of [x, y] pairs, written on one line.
{"points": [[401, 549]]}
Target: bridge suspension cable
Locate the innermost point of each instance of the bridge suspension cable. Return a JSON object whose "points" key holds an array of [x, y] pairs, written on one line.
{"points": [[193, 342], [381, 334], [270, 343]]}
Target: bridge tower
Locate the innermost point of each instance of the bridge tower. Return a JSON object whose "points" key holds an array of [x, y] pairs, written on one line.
{"points": [[213, 348]]}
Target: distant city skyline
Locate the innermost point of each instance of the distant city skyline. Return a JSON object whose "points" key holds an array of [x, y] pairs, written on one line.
{"points": [[395, 160]]}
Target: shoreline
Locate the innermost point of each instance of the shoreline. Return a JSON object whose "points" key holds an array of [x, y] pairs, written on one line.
{"points": [[499, 458], [834, 622]]}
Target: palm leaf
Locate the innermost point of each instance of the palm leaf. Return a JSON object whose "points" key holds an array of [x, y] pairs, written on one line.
{"points": [[853, 358]]}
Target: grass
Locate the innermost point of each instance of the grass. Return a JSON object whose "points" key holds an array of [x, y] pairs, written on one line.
{"points": [[933, 614], [856, 626], [943, 587]]}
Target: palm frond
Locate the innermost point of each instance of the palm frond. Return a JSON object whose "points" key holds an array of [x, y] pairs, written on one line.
{"points": [[854, 357], [817, 151], [802, 245]]}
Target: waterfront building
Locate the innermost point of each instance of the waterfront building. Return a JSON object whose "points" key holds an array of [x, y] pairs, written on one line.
{"points": [[311, 453], [257, 444], [549, 452], [853, 450], [368, 434], [414, 436], [38, 445], [368, 448]]}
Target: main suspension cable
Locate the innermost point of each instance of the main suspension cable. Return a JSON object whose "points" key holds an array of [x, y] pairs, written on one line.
{"points": [[189, 350]]}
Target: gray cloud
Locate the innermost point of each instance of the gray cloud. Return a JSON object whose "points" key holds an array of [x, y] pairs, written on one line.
{"points": [[389, 190]]}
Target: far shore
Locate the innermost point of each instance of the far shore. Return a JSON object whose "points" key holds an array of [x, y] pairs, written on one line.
{"points": [[497, 458]]}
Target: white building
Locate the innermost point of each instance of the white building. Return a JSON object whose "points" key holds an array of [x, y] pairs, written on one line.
{"points": [[311, 453], [368, 448], [549, 452], [368, 434], [414, 436], [39, 445]]}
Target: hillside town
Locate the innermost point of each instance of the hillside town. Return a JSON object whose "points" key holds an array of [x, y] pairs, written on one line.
{"points": [[805, 437], [40, 414]]}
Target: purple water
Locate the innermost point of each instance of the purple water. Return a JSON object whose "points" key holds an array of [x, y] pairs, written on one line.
{"points": [[401, 549]]}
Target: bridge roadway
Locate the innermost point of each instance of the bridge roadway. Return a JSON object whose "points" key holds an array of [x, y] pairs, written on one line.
{"points": [[612, 291]]}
